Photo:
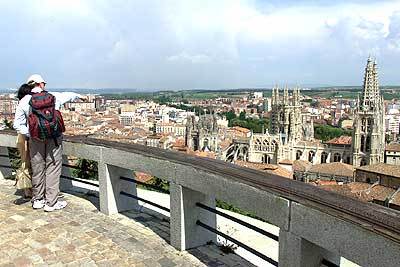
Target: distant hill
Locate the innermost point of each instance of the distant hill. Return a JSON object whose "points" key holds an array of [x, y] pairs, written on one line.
{"points": [[138, 90]]}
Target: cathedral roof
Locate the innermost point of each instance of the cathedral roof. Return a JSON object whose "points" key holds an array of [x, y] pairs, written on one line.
{"points": [[395, 147], [224, 144], [333, 168], [313, 143], [269, 168], [382, 168], [301, 165], [204, 154], [286, 162], [239, 129], [341, 140], [362, 191]]}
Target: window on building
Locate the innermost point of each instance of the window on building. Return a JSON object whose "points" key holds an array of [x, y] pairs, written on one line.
{"points": [[205, 144], [298, 154], [282, 116], [274, 146], [369, 125], [363, 162], [363, 123], [368, 144], [337, 157], [362, 143], [324, 157], [265, 145], [311, 155], [257, 145], [267, 159]]}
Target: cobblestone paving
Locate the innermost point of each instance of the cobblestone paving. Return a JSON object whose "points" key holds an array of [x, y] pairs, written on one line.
{"points": [[79, 235]]}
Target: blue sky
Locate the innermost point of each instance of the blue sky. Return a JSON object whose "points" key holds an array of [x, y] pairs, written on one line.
{"points": [[182, 44]]}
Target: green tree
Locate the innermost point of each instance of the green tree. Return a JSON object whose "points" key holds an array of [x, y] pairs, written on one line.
{"points": [[256, 125], [163, 99], [242, 116], [88, 169], [327, 132], [230, 115]]}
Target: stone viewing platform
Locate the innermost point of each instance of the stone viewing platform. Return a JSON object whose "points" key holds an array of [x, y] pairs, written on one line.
{"points": [[316, 227], [80, 235]]}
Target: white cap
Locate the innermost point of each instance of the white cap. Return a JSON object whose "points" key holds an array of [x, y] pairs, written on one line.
{"points": [[35, 78]]}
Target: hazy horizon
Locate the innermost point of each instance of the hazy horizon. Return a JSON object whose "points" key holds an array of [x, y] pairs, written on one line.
{"points": [[154, 90], [198, 44]]}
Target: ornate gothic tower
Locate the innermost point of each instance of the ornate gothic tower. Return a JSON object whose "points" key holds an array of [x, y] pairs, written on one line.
{"points": [[202, 134], [286, 117], [368, 142]]}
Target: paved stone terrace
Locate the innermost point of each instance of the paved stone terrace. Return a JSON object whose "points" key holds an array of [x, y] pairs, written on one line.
{"points": [[79, 235]]}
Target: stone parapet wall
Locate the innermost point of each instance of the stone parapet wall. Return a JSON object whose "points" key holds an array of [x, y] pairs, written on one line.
{"points": [[328, 224]]}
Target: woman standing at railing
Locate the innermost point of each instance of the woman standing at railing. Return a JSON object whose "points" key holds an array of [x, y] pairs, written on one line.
{"points": [[24, 173]]}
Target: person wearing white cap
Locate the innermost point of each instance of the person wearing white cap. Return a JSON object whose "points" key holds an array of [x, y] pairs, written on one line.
{"points": [[46, 155], [36, 79]]}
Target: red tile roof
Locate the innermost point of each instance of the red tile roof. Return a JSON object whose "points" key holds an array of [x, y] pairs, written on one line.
{"points": [[341, 140], [286, 162], [395, 147], [333, 168], [301, 165], [362, 191], [142, 177], [382, 168], [269, 168]]}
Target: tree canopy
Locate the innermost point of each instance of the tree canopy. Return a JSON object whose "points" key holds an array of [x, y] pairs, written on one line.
{"points": [[327, 132]]}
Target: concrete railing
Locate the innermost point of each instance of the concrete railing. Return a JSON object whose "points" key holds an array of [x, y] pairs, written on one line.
{"points": [[314, 224]]}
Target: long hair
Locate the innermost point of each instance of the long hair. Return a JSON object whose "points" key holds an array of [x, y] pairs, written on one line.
{"points": [[24, 90]]}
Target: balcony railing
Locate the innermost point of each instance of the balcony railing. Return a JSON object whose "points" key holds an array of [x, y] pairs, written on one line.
{"points": [[317, 227]]}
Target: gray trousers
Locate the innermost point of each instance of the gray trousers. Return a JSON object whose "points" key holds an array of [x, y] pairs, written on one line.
{"points": [[46, 161]]}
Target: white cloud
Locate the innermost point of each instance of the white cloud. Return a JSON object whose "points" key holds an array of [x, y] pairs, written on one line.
{"points": [[215, 43], [393, 36], [185, 57]]}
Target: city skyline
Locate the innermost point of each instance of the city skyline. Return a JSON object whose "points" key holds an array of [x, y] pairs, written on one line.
{"points": [[198, 45]]}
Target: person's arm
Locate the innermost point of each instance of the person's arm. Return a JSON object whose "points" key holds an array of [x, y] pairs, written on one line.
{"points": [[20, 121], [62, 98]]}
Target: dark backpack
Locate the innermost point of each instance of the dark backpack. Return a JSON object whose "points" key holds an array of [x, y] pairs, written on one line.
{"points": [[45, 122]]}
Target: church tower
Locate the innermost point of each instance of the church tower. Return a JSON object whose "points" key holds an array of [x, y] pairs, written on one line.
{"points": [[368, 141], [286, 115]]}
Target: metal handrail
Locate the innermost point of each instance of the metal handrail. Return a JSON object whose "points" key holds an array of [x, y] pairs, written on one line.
{"points": [[328, 263], [239, 221], [144, 184], [79, 180], [237, 242], [145, 200]]}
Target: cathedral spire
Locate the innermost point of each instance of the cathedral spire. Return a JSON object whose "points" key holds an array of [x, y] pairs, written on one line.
{"points": [[368, 139], [294, 92], [285, 96], [273, 96], [370, 96], [276, 95]]}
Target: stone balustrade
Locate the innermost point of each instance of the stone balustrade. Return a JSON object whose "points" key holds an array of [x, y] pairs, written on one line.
{"points": [[310, 231]]}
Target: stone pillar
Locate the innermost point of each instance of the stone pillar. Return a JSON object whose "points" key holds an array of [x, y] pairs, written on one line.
{"points": [[110, 186], [185, 234], [5, 161], [295, 251], [65, 184]]}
